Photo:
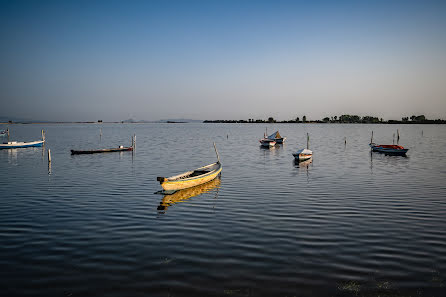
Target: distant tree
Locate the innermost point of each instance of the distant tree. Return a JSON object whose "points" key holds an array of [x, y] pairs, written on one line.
{"points": [[405, 119], [297, 119], [370, 119], [420, 118], [271, 120], [412, 118], [335, 118], [99, 121], [304, 119], [326, 119]]}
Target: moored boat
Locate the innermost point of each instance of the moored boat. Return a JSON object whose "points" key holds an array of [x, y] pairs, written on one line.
{"points": [[304, 154], [266, 142], [277, 137], [111, 150], [192, 178], [22, 144], [389, 149]]}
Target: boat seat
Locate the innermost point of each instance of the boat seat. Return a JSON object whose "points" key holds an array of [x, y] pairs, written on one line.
{"points": [[198, 172]]}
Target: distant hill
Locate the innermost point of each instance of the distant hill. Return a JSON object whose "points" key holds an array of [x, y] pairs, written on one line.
{"points": [[163, 121], [179, 121]]}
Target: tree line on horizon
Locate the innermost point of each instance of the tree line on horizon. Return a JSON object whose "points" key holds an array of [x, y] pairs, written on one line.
{"points": [[345, 118]]}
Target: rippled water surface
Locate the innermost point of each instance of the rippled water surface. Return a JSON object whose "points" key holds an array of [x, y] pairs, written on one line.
{"points": [[351, 222]]}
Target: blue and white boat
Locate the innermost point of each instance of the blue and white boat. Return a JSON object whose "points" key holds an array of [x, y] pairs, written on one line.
{"points": [[21, 144]]}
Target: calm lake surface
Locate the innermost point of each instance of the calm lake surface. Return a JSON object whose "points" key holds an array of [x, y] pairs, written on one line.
{"points": [[350, 223]]}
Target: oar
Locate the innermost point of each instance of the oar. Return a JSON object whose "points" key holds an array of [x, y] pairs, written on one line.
{"points": [[218, 157]]}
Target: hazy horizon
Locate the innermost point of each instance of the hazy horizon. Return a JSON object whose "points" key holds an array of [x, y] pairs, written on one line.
{"points": [[205, 60]]}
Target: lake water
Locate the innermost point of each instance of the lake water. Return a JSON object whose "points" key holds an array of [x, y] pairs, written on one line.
{"points": [[350, 223]]}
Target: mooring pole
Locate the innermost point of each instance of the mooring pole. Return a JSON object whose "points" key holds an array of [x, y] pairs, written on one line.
{"points": [[49, 156], [398, 136], [218, 157]]}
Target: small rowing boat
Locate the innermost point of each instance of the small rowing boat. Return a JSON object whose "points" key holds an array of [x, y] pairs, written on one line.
{"points": [[111, 150], [266, 142], [304, 154], [388, 149], [192, 178], [21, 144]]}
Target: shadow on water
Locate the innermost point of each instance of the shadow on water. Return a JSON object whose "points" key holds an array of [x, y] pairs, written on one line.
{"points": [[171, 198]]}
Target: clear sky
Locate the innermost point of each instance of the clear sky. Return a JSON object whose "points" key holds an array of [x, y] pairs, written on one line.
{"points": [[114, 60]]}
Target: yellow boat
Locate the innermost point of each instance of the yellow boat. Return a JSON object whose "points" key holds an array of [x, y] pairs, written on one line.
{"points": [[191, 178], [182, 195]]}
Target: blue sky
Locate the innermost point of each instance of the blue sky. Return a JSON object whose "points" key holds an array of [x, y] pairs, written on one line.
{"points": [[113, 60]]}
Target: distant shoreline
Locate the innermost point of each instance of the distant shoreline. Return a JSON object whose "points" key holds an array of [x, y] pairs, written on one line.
{"points": [[430, 122]]}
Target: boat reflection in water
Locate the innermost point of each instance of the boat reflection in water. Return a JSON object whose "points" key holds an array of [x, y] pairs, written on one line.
{"points": [[183, 195], [303, 165]]}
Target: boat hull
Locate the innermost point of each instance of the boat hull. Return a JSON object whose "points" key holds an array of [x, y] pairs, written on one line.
{"points": [[74, 152], [179, 184], [389, 149], [301, 158], [267, 142], [13, 145]]}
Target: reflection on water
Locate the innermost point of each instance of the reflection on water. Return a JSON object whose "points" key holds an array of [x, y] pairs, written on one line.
{"points": [[365, 225], [182, 195], [305, 165]]}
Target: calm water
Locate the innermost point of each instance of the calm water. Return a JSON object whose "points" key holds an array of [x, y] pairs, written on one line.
{"points": [[349, 223]]}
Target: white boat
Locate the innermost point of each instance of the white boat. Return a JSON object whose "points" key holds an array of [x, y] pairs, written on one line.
{"points": [[21, 144], [266, 142], [277, 137], [304, 154]]}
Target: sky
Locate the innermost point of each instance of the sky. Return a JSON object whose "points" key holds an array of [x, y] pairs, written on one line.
{"points": [[151, 60]]}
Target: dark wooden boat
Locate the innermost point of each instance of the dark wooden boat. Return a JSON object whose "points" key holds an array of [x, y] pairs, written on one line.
{"points": [[111, 150]]}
